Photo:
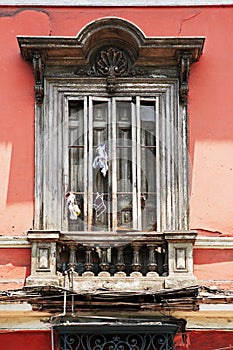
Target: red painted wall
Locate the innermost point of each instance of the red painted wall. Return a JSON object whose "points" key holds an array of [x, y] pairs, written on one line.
{"points": [[211, 340], [210, 104], [215, 266], [41, 340], [16, 257], [210, 111], [25, 340], [205, 340]]}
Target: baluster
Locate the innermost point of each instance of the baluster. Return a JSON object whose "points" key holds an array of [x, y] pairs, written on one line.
{"points": [[104, 265], [136, 266], [165, 264], [72, 258], [88, 260], [152, 263], [120, 265], [58, 258]]}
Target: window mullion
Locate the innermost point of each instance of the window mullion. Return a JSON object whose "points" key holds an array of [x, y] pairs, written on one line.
{"points": [[163, 184], [158, 165], [138, 143], [85, 127], [114, 167], [65, 137], [134, 165], [90, 169], [109, 158]]}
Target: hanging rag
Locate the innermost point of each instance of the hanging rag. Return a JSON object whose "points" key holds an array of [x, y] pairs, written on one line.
{"points": [[101, 159], [99, 204], [73, 207]]}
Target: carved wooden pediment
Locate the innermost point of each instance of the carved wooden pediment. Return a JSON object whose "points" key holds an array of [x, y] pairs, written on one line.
{"points": [[111, 48]]}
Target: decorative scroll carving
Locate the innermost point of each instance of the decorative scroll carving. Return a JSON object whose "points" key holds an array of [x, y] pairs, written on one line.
{"points": [[112, 62], [38, 70], [111, 48]]}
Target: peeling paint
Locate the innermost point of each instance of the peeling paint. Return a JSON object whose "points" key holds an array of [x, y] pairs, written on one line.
{"points": [[13, 13]]}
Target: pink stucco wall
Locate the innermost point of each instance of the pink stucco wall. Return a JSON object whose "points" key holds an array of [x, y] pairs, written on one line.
{"points": [[210, 105]]}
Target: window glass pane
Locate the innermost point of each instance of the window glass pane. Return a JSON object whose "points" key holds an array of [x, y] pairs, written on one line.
{"points": [[76, 130], [125, 211], [76, 161], [100, 211], [134, 184], [100, 177], [100, 119], [76, 146], [124, 163], [148, 164], [76, 169]]}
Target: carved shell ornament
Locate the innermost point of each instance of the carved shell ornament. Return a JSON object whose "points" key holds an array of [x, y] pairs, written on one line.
{"points": [[112, 62]]}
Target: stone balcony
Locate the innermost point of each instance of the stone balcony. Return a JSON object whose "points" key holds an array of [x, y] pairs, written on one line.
{"points": [[133, 261]]}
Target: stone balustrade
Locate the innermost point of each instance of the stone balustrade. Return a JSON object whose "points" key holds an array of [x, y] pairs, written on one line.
{"points": [[113, 261], [142, 257]]}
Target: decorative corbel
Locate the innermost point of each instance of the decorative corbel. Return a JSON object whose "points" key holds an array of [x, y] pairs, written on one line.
{"points": [[38, 70], [184, 63], [111, 85]]}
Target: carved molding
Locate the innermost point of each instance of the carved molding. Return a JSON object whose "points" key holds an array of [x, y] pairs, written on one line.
{"points": [[112, 62], [111, 48]]}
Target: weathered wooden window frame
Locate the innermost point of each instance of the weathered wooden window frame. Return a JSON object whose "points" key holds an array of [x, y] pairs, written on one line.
{"points": [[68, 67], [172, 201], [156, 66]]}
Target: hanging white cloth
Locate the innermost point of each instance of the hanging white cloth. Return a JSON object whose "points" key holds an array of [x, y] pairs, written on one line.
{"points": [[73, 207], [99, 204], [101, 159]]}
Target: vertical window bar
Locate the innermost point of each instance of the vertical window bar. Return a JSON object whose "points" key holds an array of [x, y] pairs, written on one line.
{"points": [[66, 158], [90, 161], [138, 142], [173, 163], [158, 165], [109, 163], [134, 164], [168, 158], [176, 157], [148, 163], [163, 165], [59, 181], [85, 196], [114, 167]]}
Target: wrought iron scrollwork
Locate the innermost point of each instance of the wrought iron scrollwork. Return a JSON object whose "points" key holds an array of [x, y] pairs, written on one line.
{"points": [[135, 341]]}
